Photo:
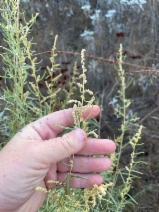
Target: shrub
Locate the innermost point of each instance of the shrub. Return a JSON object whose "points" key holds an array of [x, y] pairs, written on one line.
{"points": [[24, 100]]}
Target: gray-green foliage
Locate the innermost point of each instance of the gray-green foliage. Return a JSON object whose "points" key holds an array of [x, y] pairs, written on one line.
{"points": [[24, 102], [22, 98], [15, 68]]}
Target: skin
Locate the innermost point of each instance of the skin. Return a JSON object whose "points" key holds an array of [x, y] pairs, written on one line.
{"points": [[34, 155]]}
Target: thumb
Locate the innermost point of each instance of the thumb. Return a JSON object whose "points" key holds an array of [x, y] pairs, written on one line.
{"points": [[57, 149]]}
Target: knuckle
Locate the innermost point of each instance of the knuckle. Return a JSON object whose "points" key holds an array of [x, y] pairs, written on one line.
{"points": [[67, 142]]}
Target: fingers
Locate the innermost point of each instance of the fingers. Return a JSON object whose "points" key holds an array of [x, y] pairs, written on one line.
{"points": [[98, 146], [46, 126], [55, 150], [83, 164], [79, 182]]}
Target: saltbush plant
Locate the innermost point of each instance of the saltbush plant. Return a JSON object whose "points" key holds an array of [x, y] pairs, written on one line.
{"points": [[23, 101]]}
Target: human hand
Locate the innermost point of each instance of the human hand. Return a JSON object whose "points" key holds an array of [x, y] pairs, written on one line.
{"points": [[33, 156]]}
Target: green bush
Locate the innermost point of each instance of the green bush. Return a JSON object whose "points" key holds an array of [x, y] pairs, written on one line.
{"points": [[24, 101]]}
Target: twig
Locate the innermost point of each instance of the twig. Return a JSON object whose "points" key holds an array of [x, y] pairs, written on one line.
{"points": [[148, 115], [144, 69]]}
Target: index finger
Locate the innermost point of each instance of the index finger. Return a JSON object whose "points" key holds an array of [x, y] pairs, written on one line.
{"points": [[47, 127]]}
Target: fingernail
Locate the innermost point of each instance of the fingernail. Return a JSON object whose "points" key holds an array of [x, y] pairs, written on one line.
{"points": [[80, 134]]}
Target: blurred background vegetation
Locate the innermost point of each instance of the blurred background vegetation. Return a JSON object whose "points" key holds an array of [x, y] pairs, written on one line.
{"points": [[100, 26]]}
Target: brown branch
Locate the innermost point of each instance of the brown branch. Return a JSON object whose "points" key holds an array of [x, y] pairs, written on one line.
{"points": [[144, 69], [148, 115]]}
